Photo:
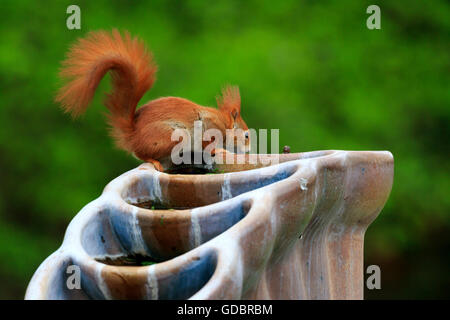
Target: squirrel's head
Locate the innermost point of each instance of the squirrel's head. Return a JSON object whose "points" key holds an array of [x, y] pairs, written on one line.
{"points": [[229, 104]]}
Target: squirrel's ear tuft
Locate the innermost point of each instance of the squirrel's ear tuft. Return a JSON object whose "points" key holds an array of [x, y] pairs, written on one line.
{"points": [[230, 99]]}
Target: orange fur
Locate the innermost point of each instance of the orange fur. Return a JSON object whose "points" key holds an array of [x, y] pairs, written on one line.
{"points": [[147, 131]]}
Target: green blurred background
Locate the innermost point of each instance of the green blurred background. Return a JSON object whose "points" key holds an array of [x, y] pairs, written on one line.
{"points": [[311, 69]]}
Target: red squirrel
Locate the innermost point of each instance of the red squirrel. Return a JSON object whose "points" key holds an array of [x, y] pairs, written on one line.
{"points": [[145, 132]]}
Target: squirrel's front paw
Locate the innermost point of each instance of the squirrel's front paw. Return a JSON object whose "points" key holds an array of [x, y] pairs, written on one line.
{"points": [[219, 151]]}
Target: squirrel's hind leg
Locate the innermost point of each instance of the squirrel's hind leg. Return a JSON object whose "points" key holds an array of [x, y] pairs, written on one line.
{"points": [[156, 164]]}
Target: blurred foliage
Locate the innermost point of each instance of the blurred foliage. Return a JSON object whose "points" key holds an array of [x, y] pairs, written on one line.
{"points": [[311, 69]]}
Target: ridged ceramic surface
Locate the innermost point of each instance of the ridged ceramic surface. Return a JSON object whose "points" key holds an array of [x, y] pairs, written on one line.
{"points": [[294, 230]]}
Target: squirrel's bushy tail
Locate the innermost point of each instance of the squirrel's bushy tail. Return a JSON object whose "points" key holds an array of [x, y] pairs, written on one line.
{"points": [[132, 74]]}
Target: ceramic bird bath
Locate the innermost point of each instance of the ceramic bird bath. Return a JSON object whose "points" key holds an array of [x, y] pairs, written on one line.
{"points": [[294, 230]]}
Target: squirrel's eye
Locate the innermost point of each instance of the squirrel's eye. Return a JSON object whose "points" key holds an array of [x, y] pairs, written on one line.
{"points": [[234, 114]]}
